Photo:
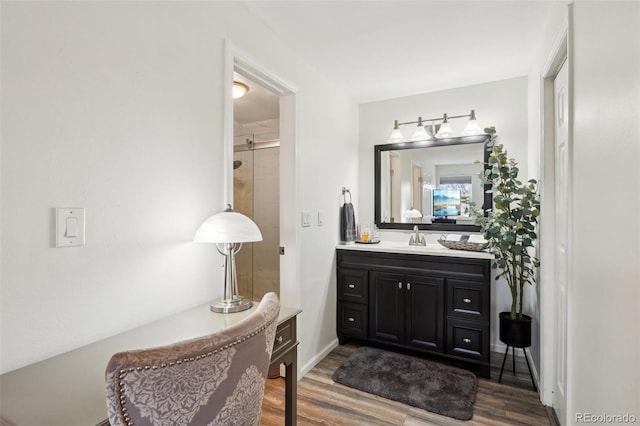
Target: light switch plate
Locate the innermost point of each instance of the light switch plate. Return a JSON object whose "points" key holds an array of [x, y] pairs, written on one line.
{"points": [[306, 219], [69, 227]]}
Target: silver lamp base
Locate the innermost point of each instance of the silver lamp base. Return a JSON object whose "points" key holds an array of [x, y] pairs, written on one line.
{"points": [[237, 304]]}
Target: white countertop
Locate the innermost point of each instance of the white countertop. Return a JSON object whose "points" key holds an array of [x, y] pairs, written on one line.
{"points": [[430, 249]]}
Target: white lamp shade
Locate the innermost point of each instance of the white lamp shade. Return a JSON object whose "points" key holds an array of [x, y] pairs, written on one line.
{"points": [[445, 131], [472, 128], [412, 213], [228, 227], [396, 136], [420, 134]]}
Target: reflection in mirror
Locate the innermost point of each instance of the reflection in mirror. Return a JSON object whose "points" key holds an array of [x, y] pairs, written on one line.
{"points": [[431, 184]]}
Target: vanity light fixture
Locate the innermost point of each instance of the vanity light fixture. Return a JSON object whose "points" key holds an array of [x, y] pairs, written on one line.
{"points": [[425, 131], [239, 89]]}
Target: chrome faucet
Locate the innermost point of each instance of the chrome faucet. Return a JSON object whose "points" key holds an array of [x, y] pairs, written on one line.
{"points": [[417, 239]]}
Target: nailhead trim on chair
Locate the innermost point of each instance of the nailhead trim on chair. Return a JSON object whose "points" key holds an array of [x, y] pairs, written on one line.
{"points": [[120, 390]]}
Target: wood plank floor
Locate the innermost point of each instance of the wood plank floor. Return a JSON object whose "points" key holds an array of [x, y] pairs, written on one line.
{"points": [[323, 402]]}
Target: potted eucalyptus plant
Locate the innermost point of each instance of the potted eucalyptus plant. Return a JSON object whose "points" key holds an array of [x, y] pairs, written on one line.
{"points": [[510, 229]]}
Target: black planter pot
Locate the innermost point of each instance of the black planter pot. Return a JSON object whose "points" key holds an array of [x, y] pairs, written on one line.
{"points": [[515, 332]]}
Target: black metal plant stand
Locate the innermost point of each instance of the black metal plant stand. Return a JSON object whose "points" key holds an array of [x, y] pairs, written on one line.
{"points": [[515, 333], [513, 353]]}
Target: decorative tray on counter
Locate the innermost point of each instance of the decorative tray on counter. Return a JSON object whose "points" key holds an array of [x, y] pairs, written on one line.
{"points": [[368, 242], [463, 245]]}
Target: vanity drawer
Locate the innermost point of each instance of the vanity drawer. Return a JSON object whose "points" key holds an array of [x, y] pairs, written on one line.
{"points": [[285, 337], [468, 300], [468, 339], [352, 285], [352, 319]]}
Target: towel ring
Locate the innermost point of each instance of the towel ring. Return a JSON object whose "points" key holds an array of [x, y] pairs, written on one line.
{"points": [[344, 192]]}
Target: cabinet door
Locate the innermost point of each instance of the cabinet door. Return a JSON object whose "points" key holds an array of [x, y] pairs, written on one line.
{"points": [[386, 307], [424, 307]]}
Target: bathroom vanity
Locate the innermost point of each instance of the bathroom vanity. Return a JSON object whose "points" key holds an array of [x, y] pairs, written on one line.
{"points": [[428, 299]]}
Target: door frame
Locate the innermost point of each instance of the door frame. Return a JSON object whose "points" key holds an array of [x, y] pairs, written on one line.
{"points": [[559, 53], [236, 60]]}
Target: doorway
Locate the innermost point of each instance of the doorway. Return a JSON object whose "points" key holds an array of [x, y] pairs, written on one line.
{"points": [[236, 63], [256, 185], [555, 231]]}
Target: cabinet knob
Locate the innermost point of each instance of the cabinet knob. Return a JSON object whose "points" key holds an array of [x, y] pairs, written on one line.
{"points": [[466, 300], [351, 319], [400, 285], [408, 286], [466, 340], [352, 286], [279, 339]]}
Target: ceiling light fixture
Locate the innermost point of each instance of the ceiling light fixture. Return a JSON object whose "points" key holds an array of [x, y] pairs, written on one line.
{"points": [[239, 89], [425, 132]]}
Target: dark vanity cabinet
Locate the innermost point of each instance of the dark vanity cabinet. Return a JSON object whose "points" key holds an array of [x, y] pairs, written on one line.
{"points": [[406, 310], [431, 304]]}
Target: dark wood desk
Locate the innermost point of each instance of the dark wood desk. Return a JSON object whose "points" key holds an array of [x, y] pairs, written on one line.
{"points": [[69, 389]]}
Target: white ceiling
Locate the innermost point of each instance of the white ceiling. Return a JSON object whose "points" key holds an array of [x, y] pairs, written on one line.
{"points": [[385, 49]]}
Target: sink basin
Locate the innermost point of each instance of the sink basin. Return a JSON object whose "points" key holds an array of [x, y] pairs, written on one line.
{"points": [[428, 247]]}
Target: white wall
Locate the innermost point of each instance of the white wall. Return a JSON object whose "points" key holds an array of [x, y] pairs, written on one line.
{"points": [[603, 368], [117, 107]]}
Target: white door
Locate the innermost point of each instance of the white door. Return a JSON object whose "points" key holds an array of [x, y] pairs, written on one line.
{"points": [[563, 206]]}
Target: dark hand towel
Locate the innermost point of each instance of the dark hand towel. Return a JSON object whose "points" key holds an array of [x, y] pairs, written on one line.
{"points": [[347, 223]]}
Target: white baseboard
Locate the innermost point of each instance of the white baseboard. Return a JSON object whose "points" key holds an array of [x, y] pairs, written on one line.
{"points": [[316, 359]]}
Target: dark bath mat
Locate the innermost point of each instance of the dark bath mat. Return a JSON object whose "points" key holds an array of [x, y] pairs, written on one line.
{"points": [[414, 381]]}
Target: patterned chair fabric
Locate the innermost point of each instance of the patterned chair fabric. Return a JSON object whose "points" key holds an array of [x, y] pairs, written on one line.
{"points": [[218, 379]]}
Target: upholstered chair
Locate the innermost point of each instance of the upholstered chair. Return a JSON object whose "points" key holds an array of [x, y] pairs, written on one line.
{"points": [[217, 379]]}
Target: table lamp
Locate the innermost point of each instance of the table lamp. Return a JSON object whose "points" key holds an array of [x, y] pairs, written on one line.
{"points": [[412, 214], [228, 230]]}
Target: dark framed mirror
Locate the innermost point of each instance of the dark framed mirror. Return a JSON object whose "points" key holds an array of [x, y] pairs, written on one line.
{"points": [[430, 183]]}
